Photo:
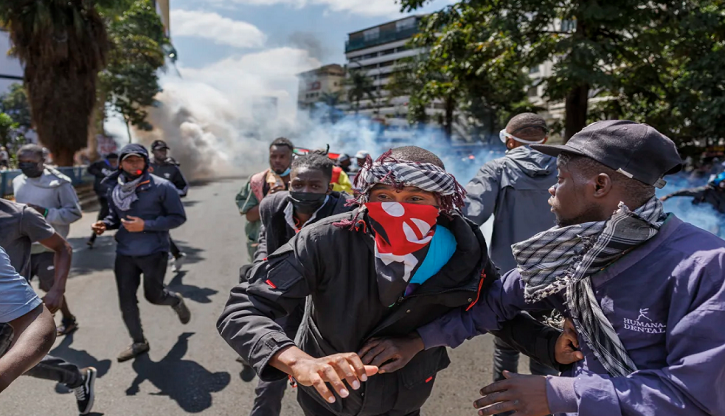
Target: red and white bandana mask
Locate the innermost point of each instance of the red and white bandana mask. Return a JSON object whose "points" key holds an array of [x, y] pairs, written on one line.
{"points": [[403, 233]]}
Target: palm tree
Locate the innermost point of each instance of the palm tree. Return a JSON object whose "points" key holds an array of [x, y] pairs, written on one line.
{"points": [[360, 86], [63, 44]]}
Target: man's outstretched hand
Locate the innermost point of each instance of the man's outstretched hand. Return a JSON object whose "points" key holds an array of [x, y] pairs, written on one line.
{"points": [[526, 395], [333, 369], [391, 354], [567, 346]]}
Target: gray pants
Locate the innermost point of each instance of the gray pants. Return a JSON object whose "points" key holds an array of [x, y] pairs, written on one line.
{"points": [[507, 358], [268, 400], [58, 370]]}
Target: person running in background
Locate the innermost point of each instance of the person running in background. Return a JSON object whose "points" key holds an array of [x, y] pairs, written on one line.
{"points": [[166, 167], [27, 330], [269, 181], [283, 215], [713, 193], [20, 227], [143, 208], [515, 190], [51, 194], [100, 170]]}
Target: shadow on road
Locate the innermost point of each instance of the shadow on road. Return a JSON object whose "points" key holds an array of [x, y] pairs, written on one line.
{"points": [[195, 293], [87, 261], [81, 358], [184, 381]]}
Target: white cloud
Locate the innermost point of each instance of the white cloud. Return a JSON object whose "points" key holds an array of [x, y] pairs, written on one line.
{"points": [[219, 29], [359, 7]]}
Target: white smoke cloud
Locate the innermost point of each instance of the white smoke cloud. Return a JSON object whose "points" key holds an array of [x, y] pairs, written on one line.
{"points": [[359, 7], [219, 29]]}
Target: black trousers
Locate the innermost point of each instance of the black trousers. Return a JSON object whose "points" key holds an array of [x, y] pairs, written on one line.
{"points": [[174, 250], [128, 278]]}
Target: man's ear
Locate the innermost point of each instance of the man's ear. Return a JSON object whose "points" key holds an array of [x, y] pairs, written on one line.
{"points": [[602, 185]]}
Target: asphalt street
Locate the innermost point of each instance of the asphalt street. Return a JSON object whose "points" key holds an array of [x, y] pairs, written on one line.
{"points": [[190, 369]]}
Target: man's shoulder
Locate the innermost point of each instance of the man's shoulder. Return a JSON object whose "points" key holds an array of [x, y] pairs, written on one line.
{"points": [[691, 244], [10, 212], [274, 201], [159, 182]]}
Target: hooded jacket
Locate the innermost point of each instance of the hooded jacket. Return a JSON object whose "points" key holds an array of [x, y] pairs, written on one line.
{"points": [[100, 170], [53, 191], [158, 204], [275, 231], [515, 189], [335, 267]]}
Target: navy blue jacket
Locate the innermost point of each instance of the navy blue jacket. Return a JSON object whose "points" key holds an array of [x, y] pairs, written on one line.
{"points": [[158, 204]]}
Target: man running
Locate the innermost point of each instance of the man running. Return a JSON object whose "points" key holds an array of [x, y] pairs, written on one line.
{"points": [[51, 194], [645, 290], [20, 227], [100, 170], [515, 190], [144, 207], [27, 330], [283, 215], [166, 167], [269, 181]]}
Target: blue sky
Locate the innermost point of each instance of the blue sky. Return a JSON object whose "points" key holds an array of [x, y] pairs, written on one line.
{"points": [[319, 26]]}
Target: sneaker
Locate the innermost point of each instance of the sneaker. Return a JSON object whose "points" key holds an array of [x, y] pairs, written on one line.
{"points": [[67, 326], [85, 393], [133, 351], [179, 261], [181, 310]]}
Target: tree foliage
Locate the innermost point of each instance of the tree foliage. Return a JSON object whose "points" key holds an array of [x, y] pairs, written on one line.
{"points": [[14, 103], [63, 45], [360, 86], [467, 67], [130, 81], [632, 54]]}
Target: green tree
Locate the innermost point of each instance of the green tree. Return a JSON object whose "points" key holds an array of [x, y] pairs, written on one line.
{"points": [[587, 41], [360, 86], [15, 104], [467, 67], [63, 45], [6, 128], [130, 81]]}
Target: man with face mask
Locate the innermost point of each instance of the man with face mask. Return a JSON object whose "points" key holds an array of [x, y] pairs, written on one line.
{"points": [[515, 190], [269, 181], [51, 194], [166, 167], [284, 214], [645, 290], [404, 257], [143, 208], [100, 170]]}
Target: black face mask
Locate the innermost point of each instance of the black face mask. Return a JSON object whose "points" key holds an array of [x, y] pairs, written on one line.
{"points": [[30, 169], [306, 202]]}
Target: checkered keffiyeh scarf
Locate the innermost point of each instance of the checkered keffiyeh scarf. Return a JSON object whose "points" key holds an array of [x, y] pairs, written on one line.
{"points": [[124, 194], [400, 173], [566, 258]]}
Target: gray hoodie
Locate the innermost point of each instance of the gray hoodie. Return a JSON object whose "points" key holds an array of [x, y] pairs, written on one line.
{"points": [[54, 191], [515, 189]]}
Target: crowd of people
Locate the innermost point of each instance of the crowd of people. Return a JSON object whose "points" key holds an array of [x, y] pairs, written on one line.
{"points": [[361, 273]]}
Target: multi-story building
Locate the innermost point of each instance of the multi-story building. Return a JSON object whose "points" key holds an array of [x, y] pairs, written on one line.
{"points": [[317, 84], [376, 51]]}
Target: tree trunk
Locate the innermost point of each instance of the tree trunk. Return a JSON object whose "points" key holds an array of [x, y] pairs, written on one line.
{"points": [[64, 157], [450, 105], [576, 110]]}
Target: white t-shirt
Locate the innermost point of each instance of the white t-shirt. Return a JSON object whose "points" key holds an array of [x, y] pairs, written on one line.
{"points": [[16, 296]]}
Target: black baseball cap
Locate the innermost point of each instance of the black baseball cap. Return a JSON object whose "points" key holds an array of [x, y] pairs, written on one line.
{"points": [[159, 144], [635, 150]]}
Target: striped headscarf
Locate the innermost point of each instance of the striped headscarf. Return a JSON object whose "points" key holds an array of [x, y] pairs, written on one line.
{"points": [[401, 173]]}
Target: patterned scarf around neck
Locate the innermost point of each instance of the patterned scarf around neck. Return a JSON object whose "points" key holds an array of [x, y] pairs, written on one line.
{"points": [[566, 258], [124, 194]]}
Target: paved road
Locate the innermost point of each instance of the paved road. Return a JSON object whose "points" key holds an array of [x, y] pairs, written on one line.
{"points": [[189, 369]]}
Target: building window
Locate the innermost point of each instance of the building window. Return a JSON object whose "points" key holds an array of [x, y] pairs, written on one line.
{"points": [[568, 25], [401, 49], [387, 52], [533, 92], [370, 55], [406, 24], [388, 63], [372, 34], [534, 70]]}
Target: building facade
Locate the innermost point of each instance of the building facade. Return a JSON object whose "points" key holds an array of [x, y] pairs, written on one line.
{"points": [[319, 85]]}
